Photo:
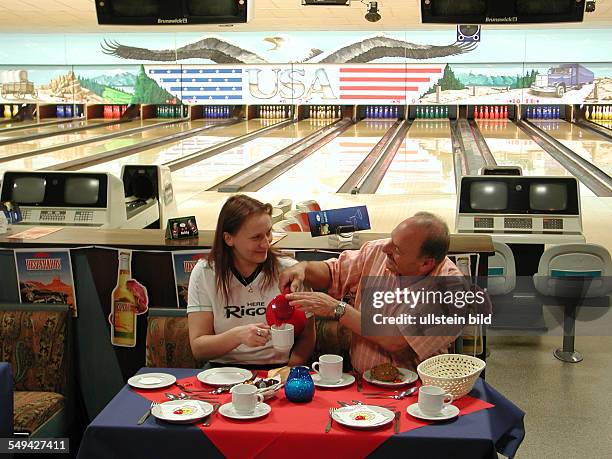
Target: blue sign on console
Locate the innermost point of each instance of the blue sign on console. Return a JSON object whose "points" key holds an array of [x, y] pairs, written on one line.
{"points": [[336, 221]]}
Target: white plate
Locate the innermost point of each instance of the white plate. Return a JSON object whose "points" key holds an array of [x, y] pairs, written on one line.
{"points": [[228, 411], [347, 380], [224, 376], [448, 412], [192, 410], [152, 380], [383, 416], [407, 377]]}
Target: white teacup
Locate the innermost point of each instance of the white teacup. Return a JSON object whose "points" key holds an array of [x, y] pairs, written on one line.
{"points": [[245, 398], [433, 399], [329, 368], [282, 337]]}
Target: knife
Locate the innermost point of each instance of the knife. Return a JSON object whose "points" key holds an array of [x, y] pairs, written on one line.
{"points": [[329, 423], [396, 423]]}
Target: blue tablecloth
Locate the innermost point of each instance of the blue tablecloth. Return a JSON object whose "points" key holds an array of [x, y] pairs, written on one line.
{"points": [[6, 400], [114, 432]]}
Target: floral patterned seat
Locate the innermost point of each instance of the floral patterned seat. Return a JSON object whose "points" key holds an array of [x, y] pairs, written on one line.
{"points": [[168, 341], [34, 341]]}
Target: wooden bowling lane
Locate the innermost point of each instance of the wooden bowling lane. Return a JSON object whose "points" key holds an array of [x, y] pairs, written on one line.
{"points": [[198, 177], [169, 152], [424, 162], [6, 151], [82, 151], [588, 145], [48, 129], [511, 146], [326, 170]]}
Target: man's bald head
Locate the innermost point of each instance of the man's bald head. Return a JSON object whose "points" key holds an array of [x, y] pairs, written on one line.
{"points": [[437, 237]]}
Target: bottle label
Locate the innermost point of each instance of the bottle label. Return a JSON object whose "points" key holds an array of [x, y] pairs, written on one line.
{"points": [[124, 322]]}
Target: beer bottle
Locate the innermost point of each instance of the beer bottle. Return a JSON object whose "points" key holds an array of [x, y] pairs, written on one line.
{"points": [[123, 328]]}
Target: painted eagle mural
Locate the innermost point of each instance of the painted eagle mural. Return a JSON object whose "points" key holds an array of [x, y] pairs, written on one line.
{"points": [[223, 52]]}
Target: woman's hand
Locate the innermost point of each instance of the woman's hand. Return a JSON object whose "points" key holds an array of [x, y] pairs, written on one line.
{"points": [[253, 335], [318, 303]]}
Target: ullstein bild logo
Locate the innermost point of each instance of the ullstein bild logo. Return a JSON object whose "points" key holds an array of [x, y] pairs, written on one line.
{"points": [[43, 264], [505, 19], [172, 21]]}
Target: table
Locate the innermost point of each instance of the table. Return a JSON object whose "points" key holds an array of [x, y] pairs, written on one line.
{"points": [[6, 400], [114, 432]]}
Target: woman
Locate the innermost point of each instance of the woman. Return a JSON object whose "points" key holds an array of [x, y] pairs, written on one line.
{"points": [[229, 292]]}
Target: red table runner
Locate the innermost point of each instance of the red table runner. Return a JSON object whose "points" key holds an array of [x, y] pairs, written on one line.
{"points": [[297, 429]]}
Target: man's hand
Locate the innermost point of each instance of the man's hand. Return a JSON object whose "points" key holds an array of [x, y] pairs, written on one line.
{"points": [[318, 303], [292, 277]]}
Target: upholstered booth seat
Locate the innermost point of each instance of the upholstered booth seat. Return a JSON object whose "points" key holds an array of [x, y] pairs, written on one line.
{"points": [[168, 340], [34, 339], [32, 409]]}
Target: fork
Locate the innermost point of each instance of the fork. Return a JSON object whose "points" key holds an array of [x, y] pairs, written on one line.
{"points": [[144, 417], [215, 409], [329, 421]]}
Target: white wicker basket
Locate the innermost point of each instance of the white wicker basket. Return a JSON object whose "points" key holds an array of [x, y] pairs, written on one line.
{"points": [[455, 373]]}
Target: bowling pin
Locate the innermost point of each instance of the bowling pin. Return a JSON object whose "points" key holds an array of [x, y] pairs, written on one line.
{"points": [[7, 111], [475, 112]]}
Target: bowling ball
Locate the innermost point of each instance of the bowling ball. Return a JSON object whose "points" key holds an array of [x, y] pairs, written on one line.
{"points": [[279, 311]]}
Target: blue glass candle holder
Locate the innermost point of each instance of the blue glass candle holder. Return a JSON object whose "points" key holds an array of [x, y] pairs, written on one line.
{"points": [[299, 386]]}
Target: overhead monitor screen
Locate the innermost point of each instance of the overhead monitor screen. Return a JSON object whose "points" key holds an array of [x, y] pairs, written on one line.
{"points": [[551, 197], [28, 190], [488, 196], [82, 191]]}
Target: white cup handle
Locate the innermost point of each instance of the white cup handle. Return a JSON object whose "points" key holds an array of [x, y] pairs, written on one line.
{"points": [[450, 397], [316, 369], [260, 398]]}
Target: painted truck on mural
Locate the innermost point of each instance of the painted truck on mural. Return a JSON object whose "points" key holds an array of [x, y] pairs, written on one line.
{"points": [[562, 78]]}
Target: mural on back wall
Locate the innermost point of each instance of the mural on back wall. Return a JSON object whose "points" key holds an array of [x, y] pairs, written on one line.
{"points": [[402, 67]]}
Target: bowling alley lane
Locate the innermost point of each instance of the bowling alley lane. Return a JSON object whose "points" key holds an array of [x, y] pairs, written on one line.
{"points": [[510, 146], [190, 181], [170, 152], [46, 129], [424, 162], [588, 145], [6, 151], [83, 151], [327, 169]]}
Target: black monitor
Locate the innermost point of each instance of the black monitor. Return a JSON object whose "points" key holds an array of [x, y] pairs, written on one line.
{"points": [[168, 12], [548, 197], [55, 189], [501, 12], [516, 195], [488, 196], [28, 190], [83, 191]]}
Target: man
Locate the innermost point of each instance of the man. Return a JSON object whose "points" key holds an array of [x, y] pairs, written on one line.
{"points": [[417, 248]]}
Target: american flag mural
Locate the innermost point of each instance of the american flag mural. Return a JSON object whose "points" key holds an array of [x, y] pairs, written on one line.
{"points": [[310, 84], [201, 85]]}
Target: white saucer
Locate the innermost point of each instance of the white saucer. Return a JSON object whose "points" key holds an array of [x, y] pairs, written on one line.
{"points": [[448, 412], [407, 377], [347, 380], [194, 410], [228, 411], [151, 380], [224, 376]]}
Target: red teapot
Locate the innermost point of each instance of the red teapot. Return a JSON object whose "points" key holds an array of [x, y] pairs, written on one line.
{"points": [[279, 311]]}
